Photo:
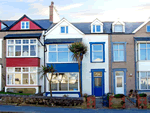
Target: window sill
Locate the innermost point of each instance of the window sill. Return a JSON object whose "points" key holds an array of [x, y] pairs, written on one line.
{"points": [[98, 62], [119, 61], [60, 62], [22, 85]]}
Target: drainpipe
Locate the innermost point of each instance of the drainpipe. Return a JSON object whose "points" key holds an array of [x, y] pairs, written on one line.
{"points": [[44, 63], [111, 64]]}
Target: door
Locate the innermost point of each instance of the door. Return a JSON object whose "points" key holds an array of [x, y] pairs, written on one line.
{"points": [[98, 83], [119, 82]]}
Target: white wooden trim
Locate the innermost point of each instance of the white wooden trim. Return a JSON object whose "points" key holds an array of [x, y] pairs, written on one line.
{"points": [[62, 20], [1, 48], [25, 24], [100, 23], [118, 22]]}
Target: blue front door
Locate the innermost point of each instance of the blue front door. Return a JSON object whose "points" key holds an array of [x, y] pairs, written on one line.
{"points": [[98, 82]]}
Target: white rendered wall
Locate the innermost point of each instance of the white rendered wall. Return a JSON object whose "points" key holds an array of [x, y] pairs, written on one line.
{"points": [[143, 65], [87, 65]]}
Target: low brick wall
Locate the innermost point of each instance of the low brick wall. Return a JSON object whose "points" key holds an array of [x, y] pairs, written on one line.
{"points": [[42, 100]]}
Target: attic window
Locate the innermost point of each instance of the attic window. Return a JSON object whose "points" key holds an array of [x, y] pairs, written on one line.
{"points": [[24, 25], [64, 29], [96, 28], [148, 28], [118, 28]]}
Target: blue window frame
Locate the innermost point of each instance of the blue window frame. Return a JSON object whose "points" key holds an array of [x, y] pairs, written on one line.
{"points": [[148, 28], [97, 52], [96, 28], [64, 29], [119, 51]]}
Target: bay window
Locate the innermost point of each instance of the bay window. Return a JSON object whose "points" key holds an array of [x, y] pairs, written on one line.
{"points": [[59, 53], [144, 53], [144, 80], [65, 82], [21, 75], [22, 47]]}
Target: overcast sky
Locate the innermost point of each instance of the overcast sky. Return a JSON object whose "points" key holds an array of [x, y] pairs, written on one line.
{"points": [[77, 10]]}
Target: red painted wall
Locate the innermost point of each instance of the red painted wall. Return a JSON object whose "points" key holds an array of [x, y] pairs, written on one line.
{"points": [[31, 25], [22, 62], [0, 25]]}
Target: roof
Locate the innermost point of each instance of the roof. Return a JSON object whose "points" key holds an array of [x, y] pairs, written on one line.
{"points": [[30, 35], [107, 27]]}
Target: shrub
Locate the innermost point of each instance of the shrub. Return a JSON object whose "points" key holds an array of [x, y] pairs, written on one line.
{"points": [[142, 95], [119, 95]]}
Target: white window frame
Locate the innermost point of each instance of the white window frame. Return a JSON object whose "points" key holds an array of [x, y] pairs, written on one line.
{"points": [[29, 72], [57, 54], [96, 28], [119, 51], [25, 24], [97, 22], [140, 80], [97, 51], [139, 51], [65, 29], [68, 83], [22, 47]]}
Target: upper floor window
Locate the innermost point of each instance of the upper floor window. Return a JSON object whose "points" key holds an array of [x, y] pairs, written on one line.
{"points": [[59, 53], [118, 28], [148, 28], [22, 47], [119, 51], [96, 28], [144, 52], [24, 25], [64, 29], [97, 51]]}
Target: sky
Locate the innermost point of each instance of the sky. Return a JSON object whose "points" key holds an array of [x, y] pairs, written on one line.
{"points": [[77, 10]]}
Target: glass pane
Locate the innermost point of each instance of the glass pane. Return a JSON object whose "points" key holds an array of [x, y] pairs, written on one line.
{"points": [[73, 81], [119, 73], [32, 41], [115, 46], [121, 55], [118, 28], [143, 45], [25, 78], [148, 83], [148, 74], [97, 74], [97, 56], [63, 85], [17, 69], [33, 69], [25, 69], [32, 50], [25, 41], [27, 24], [148, 45], [52, 57], [18, 41], [32, 78], [17, 50], [62, 29], [93, 28], [98, 81], [121, 46], [52, 47], [148, 28], [63, 48], [148, 54], [63, 57], [116, 56], [17, 78], [10, 50], [70, 56], [66, 29], [143, 83], [10, 79], [142, 54], [98, 28], [10, 69], [10, 41], [25, 50], [54, 85], [119, 81], [97, 47]]}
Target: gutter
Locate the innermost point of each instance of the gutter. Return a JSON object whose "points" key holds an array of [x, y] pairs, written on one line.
{"points": [[111, 64]]}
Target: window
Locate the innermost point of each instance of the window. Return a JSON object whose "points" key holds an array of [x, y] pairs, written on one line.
{"points": [[119, 51], [144, 53], [148, 28], [118, 28], [24, 25], [21, 75], [144, 80], [64, 29], [59, 53], [97, 52], [22, 47], [96, 28], [65, 82]]}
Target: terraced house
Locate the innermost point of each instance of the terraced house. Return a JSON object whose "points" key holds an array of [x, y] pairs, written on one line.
{"points": [[117, 59]]}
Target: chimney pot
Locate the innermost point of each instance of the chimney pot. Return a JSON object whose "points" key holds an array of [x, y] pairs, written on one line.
{"points": [[52, 3]]}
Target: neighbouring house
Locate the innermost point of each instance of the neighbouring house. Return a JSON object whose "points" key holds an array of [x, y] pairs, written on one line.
{"points": [[23, 52]]}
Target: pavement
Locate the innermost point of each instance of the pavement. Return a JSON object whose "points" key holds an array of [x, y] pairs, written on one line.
{"points": [[33, 109]]}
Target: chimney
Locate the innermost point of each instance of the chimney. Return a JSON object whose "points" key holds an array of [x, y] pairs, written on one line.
{"points": [[51, 7]]}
